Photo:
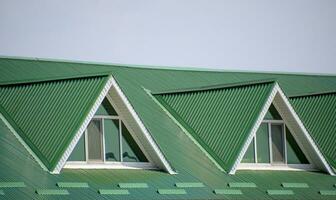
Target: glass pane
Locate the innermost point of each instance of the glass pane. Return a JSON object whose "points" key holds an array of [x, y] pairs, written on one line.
{"points": [[95, 140], [106, 109], [111, 132], [294, 153], [78, 154], [277, 143], [249, 155], [263, 151], [131, 151], [272, 113]]}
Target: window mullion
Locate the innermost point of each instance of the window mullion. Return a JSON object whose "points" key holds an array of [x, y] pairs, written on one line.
{"points": [[270, 142], [120, 141]]}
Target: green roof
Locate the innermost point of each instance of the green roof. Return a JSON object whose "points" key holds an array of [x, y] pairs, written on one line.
{"points": [[214, 117], [47, 115], [191, 164], [318, 113]]}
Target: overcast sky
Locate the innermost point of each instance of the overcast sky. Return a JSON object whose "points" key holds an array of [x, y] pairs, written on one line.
{"points": [[257, 35]]}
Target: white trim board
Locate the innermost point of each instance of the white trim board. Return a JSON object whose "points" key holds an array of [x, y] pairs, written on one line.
{"points": [[109, 165], [135, 125], [295, 125]]}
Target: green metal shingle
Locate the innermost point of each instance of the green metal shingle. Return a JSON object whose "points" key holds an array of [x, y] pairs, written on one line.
{"points": [[113, 192], [220, 119], [295, 185], [47, 115], [72, 185], [280, 192], [133, 185], [189, 184], [328, 192], [317, 113], [171, 191], [228, 192], [242, 185], [52, 192], [12, 184]]}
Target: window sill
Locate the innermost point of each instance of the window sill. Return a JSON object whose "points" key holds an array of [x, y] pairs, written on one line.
{"points": [[280, 167], [108, 165]]}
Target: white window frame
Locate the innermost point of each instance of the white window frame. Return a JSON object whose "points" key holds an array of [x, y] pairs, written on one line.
{"points": [[103, 164], [274, 165]]}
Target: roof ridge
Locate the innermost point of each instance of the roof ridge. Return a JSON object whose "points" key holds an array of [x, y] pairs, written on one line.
{"points": [[217, 86], [313, 94], [162, 67]]}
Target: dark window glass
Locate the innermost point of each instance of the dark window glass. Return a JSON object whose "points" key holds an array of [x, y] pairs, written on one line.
{"points": [[277, 143], [249, 155], [106, 108], [294, 153], [112, 148], [263, 152], [95, 140], [78, 154], [272, 113], [131, 151]]}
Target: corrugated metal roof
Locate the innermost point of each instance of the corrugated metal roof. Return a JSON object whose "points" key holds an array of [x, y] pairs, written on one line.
{"points": [[318, 113], [186, 157], [12, 155], [47, 115], [219, 119]]}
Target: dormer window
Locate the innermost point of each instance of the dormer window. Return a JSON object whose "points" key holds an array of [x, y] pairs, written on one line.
{"points": [[274, 147], [107, 143]]}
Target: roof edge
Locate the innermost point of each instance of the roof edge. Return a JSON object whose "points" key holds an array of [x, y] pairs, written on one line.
{"points": [[216, 87], [163, 67]]}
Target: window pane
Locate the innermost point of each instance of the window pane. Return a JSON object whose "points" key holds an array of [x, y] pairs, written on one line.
{"points": [[95, 140], [277, 143], [78, 154], [131, 151], [294, 153], [263, 151], [111, 132], [106, 108], [249, 155], [272, 113]]}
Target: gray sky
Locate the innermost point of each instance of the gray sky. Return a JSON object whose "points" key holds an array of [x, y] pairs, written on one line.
{"points": [[282, 35]]}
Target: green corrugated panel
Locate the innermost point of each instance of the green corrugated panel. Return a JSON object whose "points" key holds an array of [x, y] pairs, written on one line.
{"points": [[12, 184], [328, 192], [295, 185], [219, 119], [72, 185], [171, 191], [52, 192], [113, 192], [133, 185], [280, 192], [318, 115], [189, 184], [47, 115], [242, 185], [228, 191]]}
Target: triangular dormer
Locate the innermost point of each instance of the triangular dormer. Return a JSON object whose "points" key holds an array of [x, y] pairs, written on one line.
{"points": [[274, 146], [107, 143], [290, 146]]}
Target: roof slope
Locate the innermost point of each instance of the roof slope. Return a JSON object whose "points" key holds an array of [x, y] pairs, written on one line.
{"points": [[219, 119], [47, 115], [13, 155], [318, 113]]}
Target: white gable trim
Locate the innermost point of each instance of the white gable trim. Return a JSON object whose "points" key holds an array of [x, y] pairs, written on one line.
{"points": [[295, 125], [153, 151], [82, 128], [254, 130], [23, 143], [112, 87]]}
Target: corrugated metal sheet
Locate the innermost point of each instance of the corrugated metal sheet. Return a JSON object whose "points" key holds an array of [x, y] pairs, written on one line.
{"points": [[189, 161], [47, 115], [219, 119], [12, 155], [318, 113]]}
